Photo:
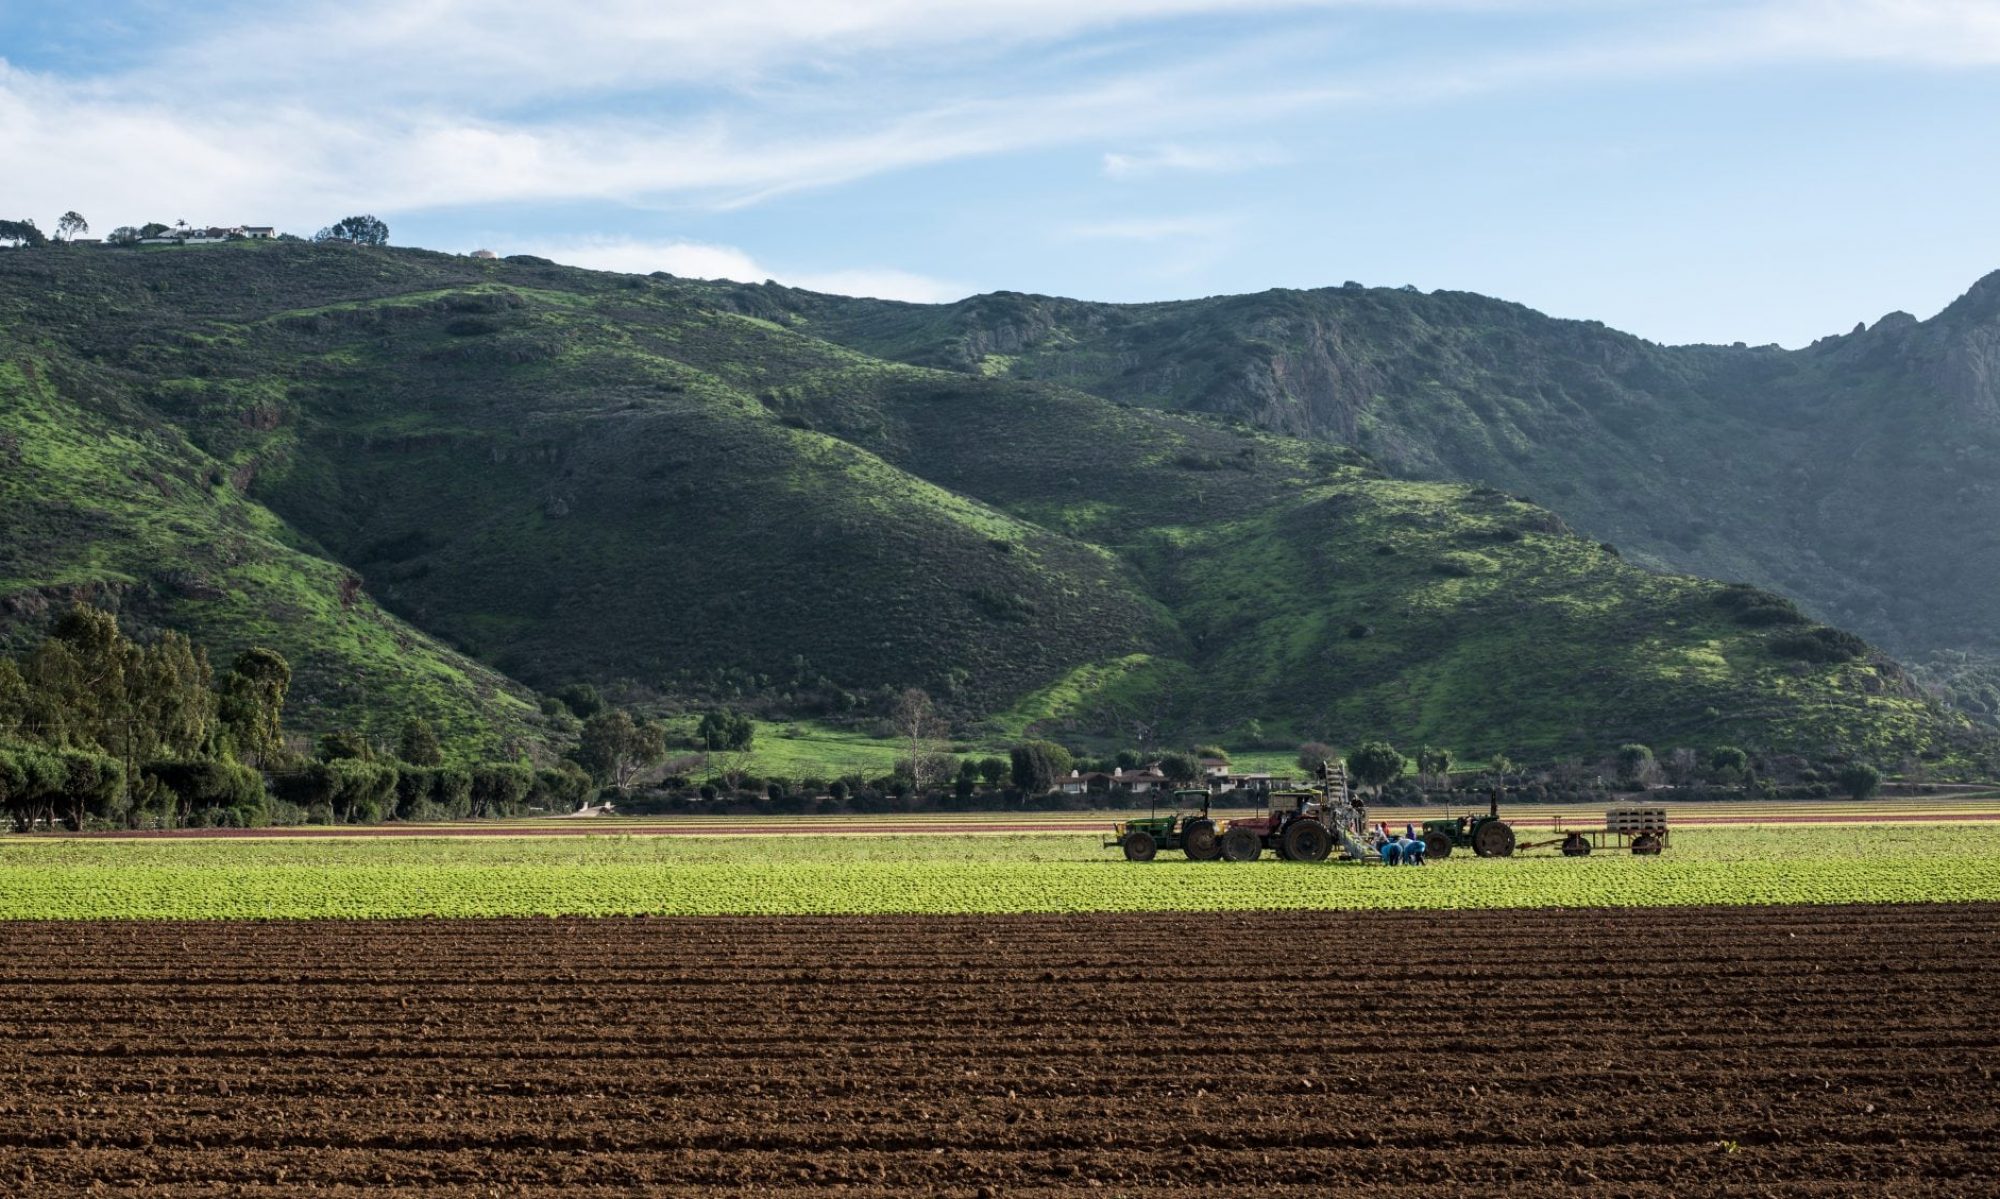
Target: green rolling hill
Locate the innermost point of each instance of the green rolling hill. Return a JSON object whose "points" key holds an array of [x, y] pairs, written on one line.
{"points": [[440, 485], [1852, 475]]}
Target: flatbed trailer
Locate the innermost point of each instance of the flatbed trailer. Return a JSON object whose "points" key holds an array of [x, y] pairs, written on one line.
{"points": [[1635, 828]]}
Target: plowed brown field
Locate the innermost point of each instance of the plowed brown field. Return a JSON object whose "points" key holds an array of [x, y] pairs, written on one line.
{"points": [[1765, 1051]]}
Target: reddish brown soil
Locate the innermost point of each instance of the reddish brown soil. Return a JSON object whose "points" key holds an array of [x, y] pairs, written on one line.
{"points": [[1832, 1051]]}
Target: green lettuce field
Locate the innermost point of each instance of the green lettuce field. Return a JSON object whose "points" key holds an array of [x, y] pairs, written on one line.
{"points": [[528, 876]]}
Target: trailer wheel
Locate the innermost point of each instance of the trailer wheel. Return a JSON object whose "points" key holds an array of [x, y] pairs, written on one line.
{"points": [[1646, 843], [1140, 846], [1199, 841], [1495, 839], [1576, 845], [1241, 845], [1306, 841], [1437, 845]]}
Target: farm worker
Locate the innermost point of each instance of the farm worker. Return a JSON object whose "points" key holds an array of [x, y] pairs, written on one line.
{"points": [[1413, 851], [1409, 832], [1392, 852]]}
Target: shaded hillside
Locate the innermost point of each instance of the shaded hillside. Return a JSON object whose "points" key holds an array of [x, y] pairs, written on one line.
{"points": [[1854, 475], [569, 475]]}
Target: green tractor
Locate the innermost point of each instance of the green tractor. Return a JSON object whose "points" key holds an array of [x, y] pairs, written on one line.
{"points": [[1187, 827], [1488, 835]]}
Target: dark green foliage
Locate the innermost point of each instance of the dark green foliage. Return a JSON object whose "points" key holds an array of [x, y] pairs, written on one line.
{"points": [[189, 793], [614, 747], [1728, 763], [561, 788], [1754, 607], [356, 230], [344, 790], [725, 730], [501, 789], [1181, 769], [419, 744], [251, 705], [39, 786], [1819, 644], [1434, 761], [341, 744], [416, 794], [582, 699], [452, 792], [22, 233], [1375, 763], [1635, 763], [1037, 765], [1860, 780]]}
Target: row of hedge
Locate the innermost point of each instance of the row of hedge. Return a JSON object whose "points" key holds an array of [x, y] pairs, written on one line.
{"points": [[39, 785], [42, 787], [350, 791]]}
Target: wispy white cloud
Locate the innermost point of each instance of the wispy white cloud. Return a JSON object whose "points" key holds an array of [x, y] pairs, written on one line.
{"points": [[1148, 228], [705, 260], [1198, 159], [396, 106]]}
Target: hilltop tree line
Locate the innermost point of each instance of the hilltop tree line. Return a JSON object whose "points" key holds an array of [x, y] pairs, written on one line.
{"points": [[360, 230]]}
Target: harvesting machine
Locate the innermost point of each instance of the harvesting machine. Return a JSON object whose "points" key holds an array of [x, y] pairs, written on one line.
{"points": [[1298, 825]]}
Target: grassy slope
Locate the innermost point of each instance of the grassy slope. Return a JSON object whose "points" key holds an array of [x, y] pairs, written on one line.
{"points": [[1849, 475], [577, 475], [101, 502]]}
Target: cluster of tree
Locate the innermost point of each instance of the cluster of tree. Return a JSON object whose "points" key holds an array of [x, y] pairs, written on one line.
{"points": [[25, 232], [350, 790], [355, 230], [723, 729], [97, 727], [88, 691], [44, 786], [22, 233]]}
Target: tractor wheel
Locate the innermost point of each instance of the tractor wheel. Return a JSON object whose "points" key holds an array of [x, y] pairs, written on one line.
{"points": [[1306, 841], [1647, 843], [1576, 845], [1437, 845], [1241, 845], [1140, 846], [1495, 839], [1199, 841]]}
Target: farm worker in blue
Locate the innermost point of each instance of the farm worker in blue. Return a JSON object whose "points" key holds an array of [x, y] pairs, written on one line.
{"points": [[1392, 852], [1413, 851]]}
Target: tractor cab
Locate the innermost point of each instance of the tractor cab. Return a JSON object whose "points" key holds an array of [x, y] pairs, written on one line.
{"points": [[1185, 825], [1483, 833]]}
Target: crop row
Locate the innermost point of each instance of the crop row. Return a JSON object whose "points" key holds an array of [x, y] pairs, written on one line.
{"points": [[54, 880]]}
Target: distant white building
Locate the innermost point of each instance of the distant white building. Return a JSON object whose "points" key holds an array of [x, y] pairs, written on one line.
{"points": [[195, 236], [484, 254]]}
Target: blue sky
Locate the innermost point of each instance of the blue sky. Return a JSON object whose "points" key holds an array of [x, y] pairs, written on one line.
{"points": [[1690, 170]]}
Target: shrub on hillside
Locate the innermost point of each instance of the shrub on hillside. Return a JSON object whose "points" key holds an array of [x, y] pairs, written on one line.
{"points": [[1819, 644], [1860, 780]]}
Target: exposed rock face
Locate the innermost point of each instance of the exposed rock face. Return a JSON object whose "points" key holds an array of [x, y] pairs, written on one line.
{"points": [[1968, 366]]}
